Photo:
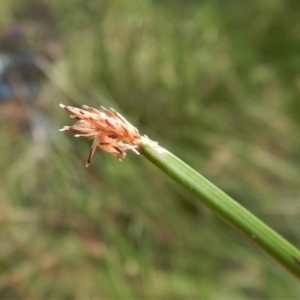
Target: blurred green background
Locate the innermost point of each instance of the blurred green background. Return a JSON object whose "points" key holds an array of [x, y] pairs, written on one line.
{"points": [[216, 82]]}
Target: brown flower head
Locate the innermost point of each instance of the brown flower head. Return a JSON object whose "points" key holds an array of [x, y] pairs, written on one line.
{"points": [[110, 130]]}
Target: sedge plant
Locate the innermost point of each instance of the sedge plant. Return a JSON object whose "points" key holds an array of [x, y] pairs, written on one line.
{"points": [[113, 133]]}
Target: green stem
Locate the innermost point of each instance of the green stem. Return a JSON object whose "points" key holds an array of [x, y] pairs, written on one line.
{"points": [[230, 211]]}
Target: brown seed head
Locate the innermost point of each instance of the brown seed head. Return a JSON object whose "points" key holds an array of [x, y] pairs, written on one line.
{"points": [[110, 130]]}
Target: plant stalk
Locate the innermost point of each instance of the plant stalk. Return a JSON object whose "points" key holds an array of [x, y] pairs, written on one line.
{"points": [[229, 210]]}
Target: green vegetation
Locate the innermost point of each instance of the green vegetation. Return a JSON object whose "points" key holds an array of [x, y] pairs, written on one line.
{"points": [[215, 82], [231, 212]]}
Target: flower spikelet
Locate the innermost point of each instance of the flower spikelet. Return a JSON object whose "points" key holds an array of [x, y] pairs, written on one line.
{"points": [[109, 129]]}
